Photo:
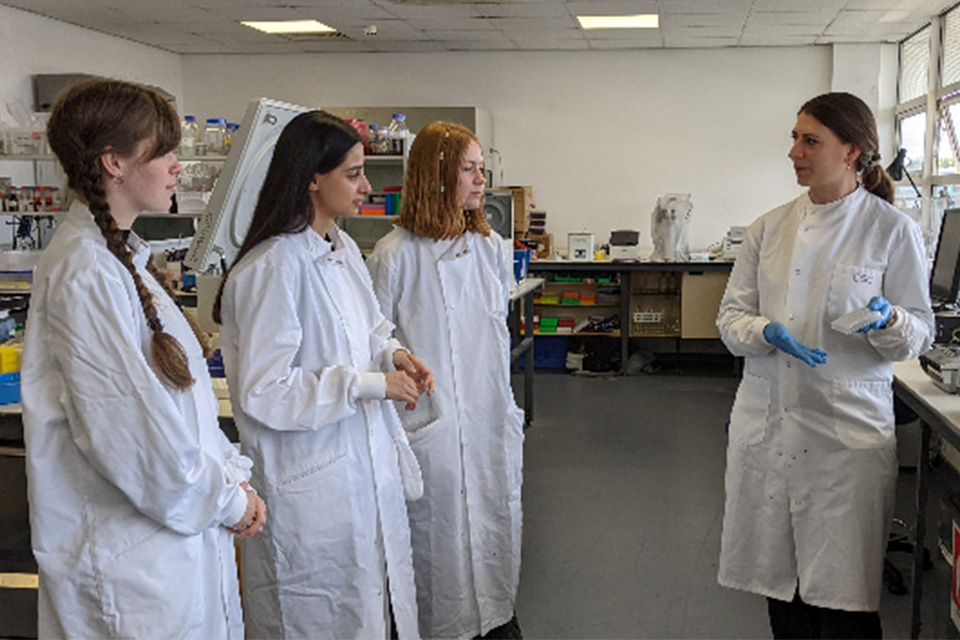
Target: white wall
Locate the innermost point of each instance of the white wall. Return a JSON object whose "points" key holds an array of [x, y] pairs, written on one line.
{"points": [[599, 135], [31, 44]]}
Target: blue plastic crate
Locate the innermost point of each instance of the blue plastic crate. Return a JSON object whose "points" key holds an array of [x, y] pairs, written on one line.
{"points": [[10, 387], [549, 352]]}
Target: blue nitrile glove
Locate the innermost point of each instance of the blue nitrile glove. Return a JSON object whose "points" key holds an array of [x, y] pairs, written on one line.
{"points": [[878, 303], [779, 336]]}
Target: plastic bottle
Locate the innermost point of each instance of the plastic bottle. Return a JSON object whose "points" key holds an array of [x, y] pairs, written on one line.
{"points": [[398, 132], [213, 134], [229, 137], [373, 134], [189, 132]]}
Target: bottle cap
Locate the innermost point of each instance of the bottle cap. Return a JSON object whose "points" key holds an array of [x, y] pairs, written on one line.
{"points": [[399, 116], [190, 118]]}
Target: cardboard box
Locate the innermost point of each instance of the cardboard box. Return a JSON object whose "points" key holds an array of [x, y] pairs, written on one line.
{"points": [[542, 243], [522, 205]]}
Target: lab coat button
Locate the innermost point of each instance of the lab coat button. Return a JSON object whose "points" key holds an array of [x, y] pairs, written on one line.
{"points": [[796, 272], [792, 316]]}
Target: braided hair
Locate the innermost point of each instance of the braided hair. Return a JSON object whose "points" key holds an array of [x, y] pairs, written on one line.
{"points": [[101, 115], [851, 120], [430, 205]]}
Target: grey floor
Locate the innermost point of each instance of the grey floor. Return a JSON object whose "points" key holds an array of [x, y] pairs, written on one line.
{"points": [[623, 505]]}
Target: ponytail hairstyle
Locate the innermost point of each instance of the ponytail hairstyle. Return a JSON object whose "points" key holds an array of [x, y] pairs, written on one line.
{"points": [[313, 142], [851, 120], [103, 115], [430, 206]]}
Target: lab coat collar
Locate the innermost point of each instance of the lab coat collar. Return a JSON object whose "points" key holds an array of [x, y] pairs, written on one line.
{"points": [[827, 208], [320, 247], [458, 248], [81, 217]]}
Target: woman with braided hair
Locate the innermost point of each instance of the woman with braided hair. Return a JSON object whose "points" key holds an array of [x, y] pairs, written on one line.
{"points": [[443, 277], [135, 493]]}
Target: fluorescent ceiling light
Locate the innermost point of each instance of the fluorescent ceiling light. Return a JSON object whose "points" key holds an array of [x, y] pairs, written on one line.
{"points": [[290, 26], [640, 21]]}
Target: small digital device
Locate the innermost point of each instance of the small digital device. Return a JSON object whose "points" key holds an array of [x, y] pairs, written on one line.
{"points": [[945, 275]]}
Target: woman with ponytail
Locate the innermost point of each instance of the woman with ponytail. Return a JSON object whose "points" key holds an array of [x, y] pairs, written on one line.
{"points": [[812, 458], [135, 493]]}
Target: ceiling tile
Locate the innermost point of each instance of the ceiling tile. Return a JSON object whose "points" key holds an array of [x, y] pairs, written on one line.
{"points": [[760, 40], [612, 7], [550, 9], [792, 17], [534, 24], [674, 7]]}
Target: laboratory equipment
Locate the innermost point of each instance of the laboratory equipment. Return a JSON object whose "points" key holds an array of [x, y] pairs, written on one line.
{"points": [[625, 245], [942, 364], [580, 246], [668, 228], [945, 275], [227, 216]]}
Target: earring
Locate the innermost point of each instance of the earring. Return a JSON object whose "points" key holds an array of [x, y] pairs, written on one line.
{"points": [[118, 181]]}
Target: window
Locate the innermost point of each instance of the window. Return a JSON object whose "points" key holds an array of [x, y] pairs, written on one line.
{"points": [[914, 65]]}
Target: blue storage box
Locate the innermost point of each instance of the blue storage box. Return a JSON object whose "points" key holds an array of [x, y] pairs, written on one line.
{"points": [[549, 352], [521, 263], [10, 388]]}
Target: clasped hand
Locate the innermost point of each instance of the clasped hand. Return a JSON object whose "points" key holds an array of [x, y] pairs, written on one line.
{"points": [[779, 336], [253, 518], [411, 379]]}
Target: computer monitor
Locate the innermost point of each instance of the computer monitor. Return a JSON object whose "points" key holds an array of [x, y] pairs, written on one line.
{"points": [[224, 223], [945, 276]]}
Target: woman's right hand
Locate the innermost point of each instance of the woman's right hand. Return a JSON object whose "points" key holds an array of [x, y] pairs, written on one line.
{"points": [[402, 387], [253, 518]]}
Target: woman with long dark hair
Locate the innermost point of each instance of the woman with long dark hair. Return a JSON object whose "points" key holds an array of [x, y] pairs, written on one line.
{"points": [[132, 485], [812, 460], [311, 364]]}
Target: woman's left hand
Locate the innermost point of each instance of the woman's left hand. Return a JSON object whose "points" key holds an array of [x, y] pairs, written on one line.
{"points": [[405, 361], [881, 305]]}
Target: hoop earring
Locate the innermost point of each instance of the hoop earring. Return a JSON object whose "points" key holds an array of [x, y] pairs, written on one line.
{"points": [[118, 181]]}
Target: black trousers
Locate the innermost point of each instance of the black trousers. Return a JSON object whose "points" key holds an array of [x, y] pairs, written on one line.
{"points": [[797, 619]]}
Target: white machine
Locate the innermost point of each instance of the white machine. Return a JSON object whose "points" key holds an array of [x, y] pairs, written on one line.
{"points": [[625, 245], [942, 364], [668, 228], [730, 244], [224, 224]]}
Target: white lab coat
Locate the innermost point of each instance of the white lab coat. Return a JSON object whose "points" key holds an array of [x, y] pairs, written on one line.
{"points": [[449, 301], [305, 347], [811, 459], [129, 479]]}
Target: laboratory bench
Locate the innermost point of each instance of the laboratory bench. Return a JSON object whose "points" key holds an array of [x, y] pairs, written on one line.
{"points": [[663, 307]]}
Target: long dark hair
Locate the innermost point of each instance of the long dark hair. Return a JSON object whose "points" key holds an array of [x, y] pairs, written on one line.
{"points": [[313, 142], [851, 120], [101, 115]]}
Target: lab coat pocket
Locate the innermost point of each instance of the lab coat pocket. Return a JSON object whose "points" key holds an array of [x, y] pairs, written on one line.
{"points": [[301, 455], [513, 441], [424, 415], [751, 410], [851, 287], [863, 413]]}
